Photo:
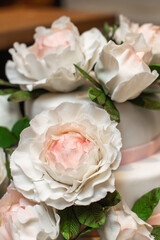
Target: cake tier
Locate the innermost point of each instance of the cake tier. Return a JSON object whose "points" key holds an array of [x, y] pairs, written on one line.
{"points": [[135, 179], [9, 112], [137, 125]]}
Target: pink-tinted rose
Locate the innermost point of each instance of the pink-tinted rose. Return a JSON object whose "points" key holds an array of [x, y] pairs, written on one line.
{"points": [[21, 219], [69, 156], [67, 149], [123, 224], [150, 32], [122, 71], [48, 63]]}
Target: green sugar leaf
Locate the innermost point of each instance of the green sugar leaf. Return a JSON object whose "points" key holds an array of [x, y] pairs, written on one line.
{"points": [[9, 151], [7, 84], [21, 95], [156, 232], [110, 200], [7, 138], [86, 75], [69, 225], [97, 96], [8, 162], [112, 110], [115, 27], [106, 30], [8, 91], [20, 125], [146, 102], [154, 88], [92, 216], [86, 230], [145, 205]]}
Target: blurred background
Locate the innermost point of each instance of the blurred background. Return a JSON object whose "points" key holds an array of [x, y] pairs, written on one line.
{"points": [[137, 10]]}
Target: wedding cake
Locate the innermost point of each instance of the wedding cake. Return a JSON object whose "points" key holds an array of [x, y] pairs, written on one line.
{"points": [[94, 132]]}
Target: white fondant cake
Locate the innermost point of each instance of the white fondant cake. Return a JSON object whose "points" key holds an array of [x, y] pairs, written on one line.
{"points": [[9, 112], [71, 152], [142, 125], [138, 126]]}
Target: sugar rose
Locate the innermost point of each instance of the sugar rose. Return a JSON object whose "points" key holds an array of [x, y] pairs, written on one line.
{"points": [[122, 71], [123, 224], [48, 63], [150, 32], [21, 219], [67, 156]]}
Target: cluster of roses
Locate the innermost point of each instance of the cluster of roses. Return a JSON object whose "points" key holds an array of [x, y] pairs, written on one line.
{"points": [[69, 154]]}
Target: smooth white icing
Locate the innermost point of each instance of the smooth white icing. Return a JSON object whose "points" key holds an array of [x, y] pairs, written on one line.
{"points": [[49, 100], [137, 125], [9, 112], [134, 180]]}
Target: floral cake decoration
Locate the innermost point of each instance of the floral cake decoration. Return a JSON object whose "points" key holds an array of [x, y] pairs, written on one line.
{"points": [[62, 172]]}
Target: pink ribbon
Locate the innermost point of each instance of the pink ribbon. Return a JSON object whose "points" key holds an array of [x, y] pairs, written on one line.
{"points": [[138, 153], [154, 219]]}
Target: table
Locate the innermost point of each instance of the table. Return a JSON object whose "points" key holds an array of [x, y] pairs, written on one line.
{"points": [[18, 23]]}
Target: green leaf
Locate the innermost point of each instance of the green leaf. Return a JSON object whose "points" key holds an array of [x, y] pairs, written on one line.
{"points": [[9, 151], [8, 91], [69, 225], [21, 95], [97, 96], [156, 232], [155, 67], [154, 88], [8, 165], [7, 84], [145, 205], [86, 230], [92, 216], [7, 138], [146, 102], [20, 125], [112, 110], [110, 200], [114, 30], [86, 75], [106, 30]]}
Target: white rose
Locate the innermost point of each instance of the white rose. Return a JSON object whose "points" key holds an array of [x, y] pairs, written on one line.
{"points": [[125, 27], [9, 112], [122, 71], [48, 63], [150, 32], [67, 156], [22, 219], [123, 224]]}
